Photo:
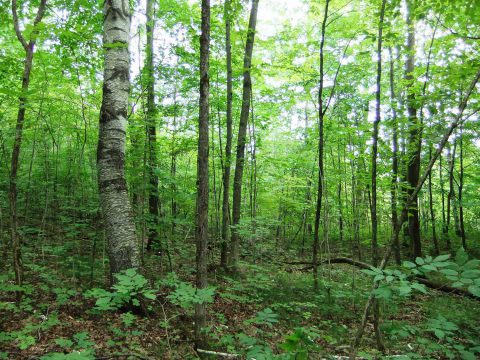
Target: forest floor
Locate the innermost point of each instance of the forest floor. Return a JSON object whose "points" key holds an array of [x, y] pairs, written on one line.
{"points": [[265, 310]]}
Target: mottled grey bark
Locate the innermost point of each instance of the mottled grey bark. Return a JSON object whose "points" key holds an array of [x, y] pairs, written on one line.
{"points": [[242, 133], [12, 193], [116, 207], [201, 219]]}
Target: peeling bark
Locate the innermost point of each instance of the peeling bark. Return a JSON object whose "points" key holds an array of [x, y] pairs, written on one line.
{"points": [[116, 207]]}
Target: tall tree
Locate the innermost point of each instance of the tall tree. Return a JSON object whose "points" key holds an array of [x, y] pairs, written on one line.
{"points": [[28, 46], [153, 201], [201, 220], [116, 207], [394, 185], [228, 145], [242, 133], [415, 136], [321, 117], [373, 208]]}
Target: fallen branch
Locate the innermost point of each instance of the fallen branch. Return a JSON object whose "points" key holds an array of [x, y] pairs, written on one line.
{"points": [[362, 265], [222, 354]]}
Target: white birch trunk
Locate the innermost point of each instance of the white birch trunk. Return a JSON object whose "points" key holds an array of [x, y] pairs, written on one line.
{"points": [[116, 207]]}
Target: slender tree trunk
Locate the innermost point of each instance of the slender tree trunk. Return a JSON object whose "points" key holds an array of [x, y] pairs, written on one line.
{"points": [[253, 166], [321, 115], [394, 185], [460, 193], [432, 213], [242, 132], [201, 219], [451, 193], [117, 211], [339, 199], [376, 123], [12, 194], [442, 190], [307, 226], [153, 201], [424, 91], [228, 145], [415, 137], [173, 166]]}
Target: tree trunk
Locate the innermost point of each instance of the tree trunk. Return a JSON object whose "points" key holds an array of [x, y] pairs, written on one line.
{"points": [[201, 219], [442, 190], [376, 123], [242, 132], [321, 115], [117, 211], [460, 193], [12, 194], [228, 145], [415, 138], [153, 202], [451, 192], [432, 213], [394, 185]]}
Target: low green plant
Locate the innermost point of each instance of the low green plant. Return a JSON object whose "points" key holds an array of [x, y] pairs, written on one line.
{"points": [[298, 344], [80, 348], [462, 272], [265, 317], [184, 294], [393, 282], [129, 288], [24, 338]]}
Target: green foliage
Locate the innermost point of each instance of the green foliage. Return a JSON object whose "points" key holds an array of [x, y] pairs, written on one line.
{"points": [[26, 337], [129, 288], [298, 344], [265, 317], [393, 282], [81, 348], [75, 355], [463, 273], [185, 295], [441, 327], [63, 295]]}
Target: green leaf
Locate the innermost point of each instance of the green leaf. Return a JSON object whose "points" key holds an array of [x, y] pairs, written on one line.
{"points": [[449, 272], [428, 267], [404, 290], [441, 258], [475, 290], [472, 264], [419, 287], [419, 261], [461, 257], [471, 274], [409, 264], [149, 295], [439, 333], [369, 272]]}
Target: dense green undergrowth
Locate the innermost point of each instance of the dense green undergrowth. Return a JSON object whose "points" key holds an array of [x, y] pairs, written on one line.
{"points": [[262, 313]]}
